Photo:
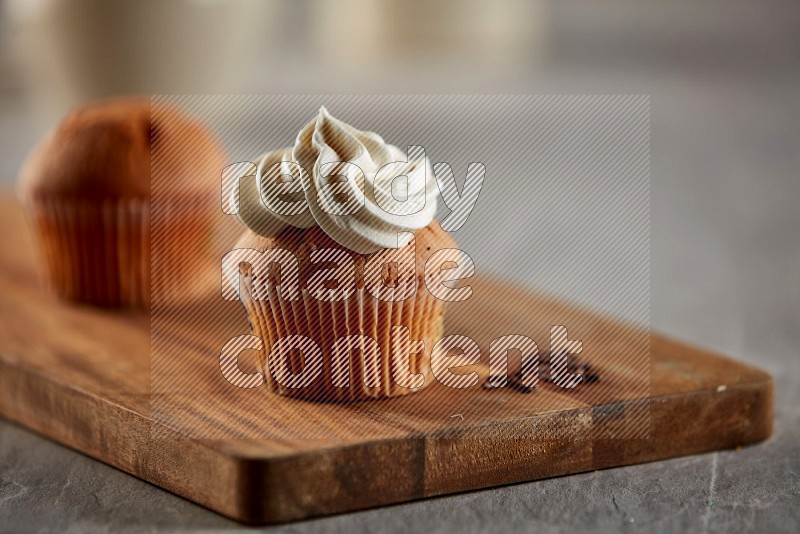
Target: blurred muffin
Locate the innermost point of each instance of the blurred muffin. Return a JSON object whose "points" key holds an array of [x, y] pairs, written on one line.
{"points": [[88, 191], [361, 257]]}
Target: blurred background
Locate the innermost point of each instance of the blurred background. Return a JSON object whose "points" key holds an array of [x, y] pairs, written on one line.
{"points": [[723, 78]]}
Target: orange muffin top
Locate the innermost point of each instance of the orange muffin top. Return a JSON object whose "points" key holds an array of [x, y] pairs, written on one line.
{"points": [[105, 150], [302, 243]]}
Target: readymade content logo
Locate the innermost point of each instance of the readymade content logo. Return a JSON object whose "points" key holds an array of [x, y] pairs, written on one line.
{"points": [[493, 264]]}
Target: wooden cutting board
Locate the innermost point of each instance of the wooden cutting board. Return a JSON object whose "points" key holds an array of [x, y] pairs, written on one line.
{"points": [[82, 376]]}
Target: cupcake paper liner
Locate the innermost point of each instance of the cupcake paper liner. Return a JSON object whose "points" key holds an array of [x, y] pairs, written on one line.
{"points": [[100, 252], [96, 252], [359, 374]]}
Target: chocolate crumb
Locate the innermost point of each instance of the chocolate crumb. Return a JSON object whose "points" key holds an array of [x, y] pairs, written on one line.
{"points": [[488, 383], [519, 386], [575, 365]]}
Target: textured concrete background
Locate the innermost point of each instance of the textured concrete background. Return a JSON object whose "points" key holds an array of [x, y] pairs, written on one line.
{"points": [[724, 84]]}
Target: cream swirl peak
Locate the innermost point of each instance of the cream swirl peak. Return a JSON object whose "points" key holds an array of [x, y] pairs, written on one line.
{"points": [[364, 193]]}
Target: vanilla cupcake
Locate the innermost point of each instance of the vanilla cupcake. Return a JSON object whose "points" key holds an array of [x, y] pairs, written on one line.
{"points": [[351, 283], [87, 189]]}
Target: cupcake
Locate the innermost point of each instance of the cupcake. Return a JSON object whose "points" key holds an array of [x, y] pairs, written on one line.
{"points": [[87, 188], [347, 316]]}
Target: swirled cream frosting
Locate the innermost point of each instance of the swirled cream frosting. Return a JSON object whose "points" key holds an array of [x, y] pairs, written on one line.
{"points": [[365, 194]]}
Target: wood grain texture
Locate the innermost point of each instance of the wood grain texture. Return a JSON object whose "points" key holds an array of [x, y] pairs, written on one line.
{"points": [[82, 376]]}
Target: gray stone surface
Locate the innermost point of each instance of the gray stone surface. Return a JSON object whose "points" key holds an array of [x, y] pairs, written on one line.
{"points": [[725, 274]]}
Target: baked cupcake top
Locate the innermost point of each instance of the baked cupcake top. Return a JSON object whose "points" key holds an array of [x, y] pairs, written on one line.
{"points": [[346, 182], [302, 244], [103, 151]]}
